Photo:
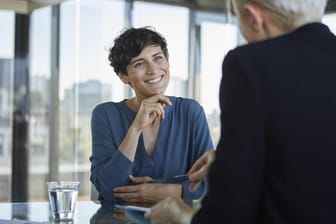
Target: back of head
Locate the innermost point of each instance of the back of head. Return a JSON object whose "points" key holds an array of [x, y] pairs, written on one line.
{"points": [[130, 43], [289, 14]]}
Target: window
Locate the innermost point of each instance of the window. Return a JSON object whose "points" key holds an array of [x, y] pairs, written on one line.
{"points": [[216, 39], [1, 144], [6, 98], [330, 21], [39, 81], [86, 78]]}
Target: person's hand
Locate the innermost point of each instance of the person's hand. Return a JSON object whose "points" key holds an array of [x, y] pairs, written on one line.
{"points": [[150, 109], [170, 210], [147, 192], [200, 169], [140, 180]]}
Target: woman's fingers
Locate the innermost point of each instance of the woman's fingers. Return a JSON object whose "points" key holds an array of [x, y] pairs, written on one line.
{"points": [[153, 108], [140, 180], [146, 192]]}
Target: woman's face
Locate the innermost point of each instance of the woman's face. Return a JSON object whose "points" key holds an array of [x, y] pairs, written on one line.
{"points": [[148, 73]]}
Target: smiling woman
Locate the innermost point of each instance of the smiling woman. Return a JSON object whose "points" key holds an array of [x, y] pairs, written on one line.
{"points": [[150, 136]]}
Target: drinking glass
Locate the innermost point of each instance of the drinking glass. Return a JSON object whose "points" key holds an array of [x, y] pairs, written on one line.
{"points": [[62, 198]]}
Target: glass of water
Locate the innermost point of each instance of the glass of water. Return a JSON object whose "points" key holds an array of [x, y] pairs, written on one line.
{"points": [[62, 198]]}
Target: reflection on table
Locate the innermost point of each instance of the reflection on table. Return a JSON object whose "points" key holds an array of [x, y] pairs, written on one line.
{"points": [[86, 212], [107, 213]]}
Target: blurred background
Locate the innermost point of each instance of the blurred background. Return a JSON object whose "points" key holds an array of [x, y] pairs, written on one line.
{"points": [[54, 70]]}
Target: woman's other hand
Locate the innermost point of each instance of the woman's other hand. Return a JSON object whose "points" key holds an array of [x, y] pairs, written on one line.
{"points": [[140, 180], [147, 192]]}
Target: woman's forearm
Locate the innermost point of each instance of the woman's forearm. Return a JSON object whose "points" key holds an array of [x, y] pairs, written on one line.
{"points": [[130, 143]]}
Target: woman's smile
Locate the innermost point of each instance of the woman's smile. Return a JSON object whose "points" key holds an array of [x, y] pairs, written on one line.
{"points": [[155, 80]]}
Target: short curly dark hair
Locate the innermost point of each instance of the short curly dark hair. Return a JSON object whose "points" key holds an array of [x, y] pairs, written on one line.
{"points": [[130, 43]]}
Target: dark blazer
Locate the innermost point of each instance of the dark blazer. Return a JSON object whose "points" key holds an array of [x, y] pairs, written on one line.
{"points": [[276, 159]]}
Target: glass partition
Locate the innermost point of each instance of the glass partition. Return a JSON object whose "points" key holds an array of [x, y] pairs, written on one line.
{"points": [[7, 19], [39, 84], [216, 40], [87, 30], [330, 21]]}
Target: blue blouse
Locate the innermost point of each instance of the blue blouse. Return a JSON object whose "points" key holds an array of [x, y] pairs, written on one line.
{"points": [[183, 137]]}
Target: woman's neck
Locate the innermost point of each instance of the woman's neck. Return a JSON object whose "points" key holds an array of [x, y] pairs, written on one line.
{"points": [[133, 103]]}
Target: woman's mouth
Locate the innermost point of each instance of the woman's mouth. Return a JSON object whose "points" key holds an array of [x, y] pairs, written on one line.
{"points": [[153, 81]]}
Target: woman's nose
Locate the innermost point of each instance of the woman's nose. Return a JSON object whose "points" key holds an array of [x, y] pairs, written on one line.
{"points": [[151, 69]]}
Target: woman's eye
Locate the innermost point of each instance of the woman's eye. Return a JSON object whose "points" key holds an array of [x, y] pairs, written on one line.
{"points": [[158, 57], [138, 64]]}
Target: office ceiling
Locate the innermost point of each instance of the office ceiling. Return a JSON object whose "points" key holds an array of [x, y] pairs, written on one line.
{"points": [[221, 5], [331, 6], [26, 6]]}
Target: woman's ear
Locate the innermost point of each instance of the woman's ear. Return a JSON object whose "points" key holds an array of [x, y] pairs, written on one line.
{"points": [[256, 17], [123, 77]]}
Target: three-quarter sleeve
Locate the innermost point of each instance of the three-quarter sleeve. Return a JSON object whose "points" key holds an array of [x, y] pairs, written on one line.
{"points": [[109, 167]]}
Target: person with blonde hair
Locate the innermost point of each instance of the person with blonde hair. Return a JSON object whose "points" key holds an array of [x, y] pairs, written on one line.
{"points": [[275, 161]]}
